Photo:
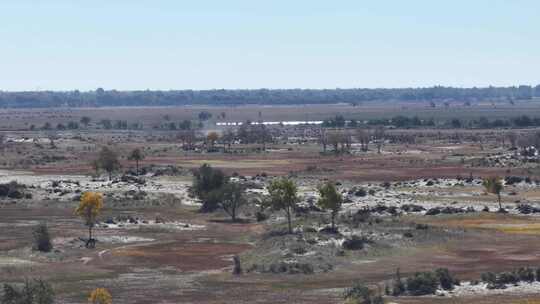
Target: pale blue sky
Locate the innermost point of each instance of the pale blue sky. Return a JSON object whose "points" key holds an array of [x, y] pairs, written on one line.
{"points": [[204, 44]]}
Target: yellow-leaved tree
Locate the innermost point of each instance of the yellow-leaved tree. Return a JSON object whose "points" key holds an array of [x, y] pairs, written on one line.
{"points": [[89, 209], [100, 296]]}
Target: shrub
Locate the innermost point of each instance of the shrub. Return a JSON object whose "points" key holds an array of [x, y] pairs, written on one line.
{"points": [[12, 190], [42, 239], [526, 274], [261, 216], [446, 280], [100, 296], [36, 291], [398, 287], [421, 227], [237, 265], [510, 180], [298, 249], [359, 294], [360, 192], [422, 283], [355, 243], [508, 278], [488, 277]]}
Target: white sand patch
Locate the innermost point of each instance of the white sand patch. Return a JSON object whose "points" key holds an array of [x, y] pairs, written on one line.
{"points": [[11, 261], [20, 224], [166, 225], [121, 239], [467, 289]]}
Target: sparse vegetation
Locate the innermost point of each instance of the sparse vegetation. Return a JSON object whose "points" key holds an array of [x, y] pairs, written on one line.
{"points": [[34, 291]]}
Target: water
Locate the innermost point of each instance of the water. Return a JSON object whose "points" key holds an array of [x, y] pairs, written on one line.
{"points": [[268, 123]]}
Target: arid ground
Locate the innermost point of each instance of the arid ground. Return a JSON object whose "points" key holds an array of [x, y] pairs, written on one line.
{"points": [[155, 246]]}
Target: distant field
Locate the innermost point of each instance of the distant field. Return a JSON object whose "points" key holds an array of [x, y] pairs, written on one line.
{"points": [[149, 116]]}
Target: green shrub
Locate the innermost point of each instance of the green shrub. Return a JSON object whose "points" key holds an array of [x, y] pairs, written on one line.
{"points": [[33, 292], [446, 280], [422, 283], [355, 243], [489, 277], [361, 294], [361, 192], [526, 274], [508, 278], [42, 239]]}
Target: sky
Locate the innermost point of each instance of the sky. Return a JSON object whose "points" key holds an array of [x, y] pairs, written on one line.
{"points": [[247, 44]]}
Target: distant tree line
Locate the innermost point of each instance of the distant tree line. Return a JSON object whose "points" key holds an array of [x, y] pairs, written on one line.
{"points": [[101, 97], [406, 122]]}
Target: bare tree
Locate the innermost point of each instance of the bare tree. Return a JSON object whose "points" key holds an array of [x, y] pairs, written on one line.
{"points": [[187, 138], [513, 139], [228, 138], [379, 136], [323, 138], [362, 135], [334, 139]]}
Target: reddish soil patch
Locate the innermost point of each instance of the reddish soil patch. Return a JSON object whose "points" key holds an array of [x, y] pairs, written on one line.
{"points": [[185, 256]]}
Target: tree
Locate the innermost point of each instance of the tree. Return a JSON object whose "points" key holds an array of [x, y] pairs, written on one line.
{"points": [[513, 139], [207, 182], [334, 138], [108, 160], [330, 199], [52, 136], [212, 137], [379, 136], [137, 156], [362, 136], [96, 166], [228, 138], [85, 120], [494, 185], [323, 138], [89, 209], [205, 115], [187, 137], [284, 196], [106, 123], [232, 199], [100, 296]]}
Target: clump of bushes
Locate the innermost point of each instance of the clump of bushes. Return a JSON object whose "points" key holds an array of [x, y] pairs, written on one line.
{"points": [[356, 243], [282, 267], [32, 292], [361, 294], [361, 192], [423, 283], [12, 190], [42, 238], [500, 280], [510, 180]]}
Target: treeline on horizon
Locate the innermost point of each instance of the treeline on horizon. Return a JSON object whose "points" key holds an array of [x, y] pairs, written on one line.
{"points": [[406, 122], [104, 98]]}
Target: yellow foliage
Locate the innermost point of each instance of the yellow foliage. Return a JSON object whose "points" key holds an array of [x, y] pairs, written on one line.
{"points": [[90, 206], [213, 136], [100, 296]]}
